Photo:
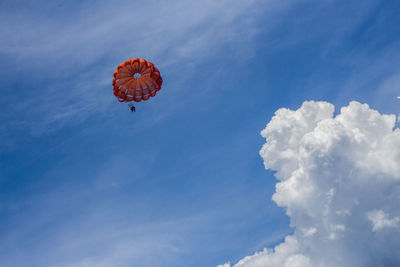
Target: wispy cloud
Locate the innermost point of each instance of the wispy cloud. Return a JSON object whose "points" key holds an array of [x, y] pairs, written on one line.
{"points": [[72, 58]]}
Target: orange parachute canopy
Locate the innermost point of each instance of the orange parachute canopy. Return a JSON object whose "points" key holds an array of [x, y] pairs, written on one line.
{"points": [[136, 80]]}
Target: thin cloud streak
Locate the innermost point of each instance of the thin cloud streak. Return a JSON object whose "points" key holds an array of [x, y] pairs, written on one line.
{"points": [[83, 53]]}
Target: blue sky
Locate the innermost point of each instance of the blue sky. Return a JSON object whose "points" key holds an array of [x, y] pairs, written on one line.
{"points": [[83, 182]]}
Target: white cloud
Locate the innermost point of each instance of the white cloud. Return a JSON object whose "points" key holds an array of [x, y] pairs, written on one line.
{"points": [[339, 181], [147, 28], [284, 254], [78, 49], [381, 220]]}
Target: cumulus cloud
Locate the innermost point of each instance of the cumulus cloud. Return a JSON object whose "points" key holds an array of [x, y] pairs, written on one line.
{"points": [[339, 182]]}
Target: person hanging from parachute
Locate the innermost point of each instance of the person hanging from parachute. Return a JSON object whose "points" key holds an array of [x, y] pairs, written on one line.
{"points": [[136, 80], [132, 107]]}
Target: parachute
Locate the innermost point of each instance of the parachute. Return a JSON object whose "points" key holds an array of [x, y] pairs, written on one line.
{"points": [[136, 80]]}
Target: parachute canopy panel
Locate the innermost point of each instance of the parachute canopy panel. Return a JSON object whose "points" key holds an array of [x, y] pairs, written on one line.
{"points": [[136, 80]]}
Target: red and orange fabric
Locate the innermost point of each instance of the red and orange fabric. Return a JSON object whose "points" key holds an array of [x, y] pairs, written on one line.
{"points": [[136, 80]]}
